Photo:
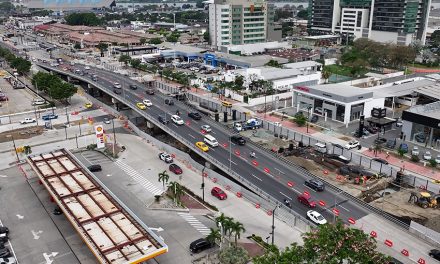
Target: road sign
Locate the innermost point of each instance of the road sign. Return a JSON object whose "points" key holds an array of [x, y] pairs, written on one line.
{"points": [[335, 211], [351, 221], [373, 234], [405, 252], [421, 261], [225, 145], [321, 203], [237, 152], [255, 163], [266, 170], [389, 243], [306, 193], [290, 184]]}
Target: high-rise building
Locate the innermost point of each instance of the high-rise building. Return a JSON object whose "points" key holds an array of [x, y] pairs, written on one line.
{"points": [[396, 21], [237, 22]]}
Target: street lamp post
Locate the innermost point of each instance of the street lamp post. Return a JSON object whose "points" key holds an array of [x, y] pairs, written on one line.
{"points": [[308, 117], [114, 136], [67, 115], [203, 183], [15, 147], [273, 223]]}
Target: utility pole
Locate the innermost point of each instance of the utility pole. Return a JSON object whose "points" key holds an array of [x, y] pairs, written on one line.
{"points": [[273, 223], [114, 136]]}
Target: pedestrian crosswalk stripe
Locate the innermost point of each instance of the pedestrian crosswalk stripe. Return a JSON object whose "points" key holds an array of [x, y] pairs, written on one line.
{"points": [[139, 178], [195, 223]]}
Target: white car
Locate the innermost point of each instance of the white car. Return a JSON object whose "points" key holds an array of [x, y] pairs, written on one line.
{"points": [[437, 159], [177, 120], [28, 120], [117, 85], [206, 128], [166, 157], [8, 260], [415, 151], [316, 217], [352, 144], [87, 68], [147, 102], [427, 155]]}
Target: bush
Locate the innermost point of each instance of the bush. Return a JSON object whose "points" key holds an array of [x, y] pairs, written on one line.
{"points": [[300, 120], [433, 163], [92, 147], [415, 158]]}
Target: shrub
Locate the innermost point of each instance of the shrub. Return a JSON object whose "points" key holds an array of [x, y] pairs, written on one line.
{"points": [[415, 158]]}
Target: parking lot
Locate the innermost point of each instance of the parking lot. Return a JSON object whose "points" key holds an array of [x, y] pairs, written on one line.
{"points": [[19, 100], [36, 234]]}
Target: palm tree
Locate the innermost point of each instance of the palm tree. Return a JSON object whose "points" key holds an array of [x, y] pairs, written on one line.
{"points": [[163, 177], [214, 236], [377, 148], [224, 221], [176, 190], [237, 228], [325, 74]]}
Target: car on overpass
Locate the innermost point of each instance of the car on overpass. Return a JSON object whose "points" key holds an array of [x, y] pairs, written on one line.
{"points": [[315, 185], [147, 102], [202, 146], [177, 120], [206, 128], [195, 115], [237, 139], [316, 217], [141, 106], [306, 200]]}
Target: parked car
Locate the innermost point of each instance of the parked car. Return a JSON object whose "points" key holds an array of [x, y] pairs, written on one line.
{"points": [[314, 119], [380, 141], [316, 217], [380, 160], [195, 115], [28, 120], [206, 128], [199, 245], [95, 167], [434, 253], [415, 151], [49, 117], [352, 144], [166, 157], [404, 147], [163, 120], [437, 159], [306, 200], [175, 169], [150, 91], [106, 120], [391, 144], [4, 230], [237, 139], [315, 185], [427, 155], [219, 193], [10, 260], [340, 158], [133, 86], [4, 238], [420, 138]]}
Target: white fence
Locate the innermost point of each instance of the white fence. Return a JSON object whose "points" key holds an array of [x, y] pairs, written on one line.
{"points": [[269, 98], [425, 233]]}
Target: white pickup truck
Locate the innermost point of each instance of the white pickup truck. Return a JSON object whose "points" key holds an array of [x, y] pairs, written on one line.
{"points": [[27, 120]]}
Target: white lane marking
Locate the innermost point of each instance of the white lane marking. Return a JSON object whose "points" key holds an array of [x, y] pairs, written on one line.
{"points": [[213, 132], [285, 195], [256, 177], [20, 216], [139, 178], [295, 190], [10, 246], [344, 208], [192, 136], [195, 223], [174, 125], [232, 162], [36, 234], [279, 171]]}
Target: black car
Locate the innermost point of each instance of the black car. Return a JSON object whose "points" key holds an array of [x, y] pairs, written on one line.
{"points": [[315, 185], [199, 245], [133, 86], [391, 144], [150, 91], [340, 158], [169, 102], [380, 160], [195, 115], [95, 168], [380, 140], [237, 139], [338, 146], [435, 254], [4, 230], [314, 119], [4, 238], [163, 120], [5, 253]]}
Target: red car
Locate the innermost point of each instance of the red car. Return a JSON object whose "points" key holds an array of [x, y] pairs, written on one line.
{"points": [[219, 193], [175, 168], [306, 200]]}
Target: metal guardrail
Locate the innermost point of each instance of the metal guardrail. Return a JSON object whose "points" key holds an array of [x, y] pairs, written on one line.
{"points": [[226, 169]]}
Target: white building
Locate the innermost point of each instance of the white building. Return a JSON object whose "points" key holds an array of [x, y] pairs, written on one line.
{"points": [[241, 22]]}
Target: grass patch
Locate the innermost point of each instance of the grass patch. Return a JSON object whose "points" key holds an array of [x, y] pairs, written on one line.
{"points": [[424, 66], [342, 70], [200, 200]]}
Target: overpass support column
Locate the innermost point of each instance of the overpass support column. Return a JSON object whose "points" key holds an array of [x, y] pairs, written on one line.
{"points": [[150, 125]]}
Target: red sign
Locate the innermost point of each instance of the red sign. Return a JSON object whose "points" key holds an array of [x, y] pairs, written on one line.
{"points": [[321, 203], [373, 234], [225, 145], [266, 170], [335, 211], [255, 163], [290, 184], [389, 243], [306, 193], [351, 221], [237, 152], [405, 252], [187, 123], [421, 261], [202, 131], [303, 88]]}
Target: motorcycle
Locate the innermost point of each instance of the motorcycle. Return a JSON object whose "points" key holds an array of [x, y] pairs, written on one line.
{"points": [[287, 203], [252, 155]]}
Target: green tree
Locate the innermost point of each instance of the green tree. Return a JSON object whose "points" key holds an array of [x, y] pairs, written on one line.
{"points": [[83, 19], [274, 63], [173, 37], [163, 177], [176, 190], [155, 41], [435, 37], [135, 63], [206, 37], [237, 228], [77, 46], [238, 82], [303, 14], [377, 148], [300, 120], [233, 255], [325, 74], [200, 4], [214, 236], [142, 41], [102, 48], [225, 222], [125, 59], [433, 163], [330, 244], [61, 90], [21, 65]]}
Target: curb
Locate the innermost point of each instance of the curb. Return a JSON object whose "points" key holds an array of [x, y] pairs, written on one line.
{"points": [[169, 210]]}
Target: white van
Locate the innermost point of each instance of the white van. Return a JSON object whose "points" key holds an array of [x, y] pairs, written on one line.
{"points": [[211, 141], [321, 147]]}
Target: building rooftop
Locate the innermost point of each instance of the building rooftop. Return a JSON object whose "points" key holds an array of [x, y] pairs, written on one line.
{"points": [[293, 54], [250, 61], [403, 89], [182, 48], [430, 110], [322, 37], [342, 90], [302, 64], [112, 232], [272, 73]]}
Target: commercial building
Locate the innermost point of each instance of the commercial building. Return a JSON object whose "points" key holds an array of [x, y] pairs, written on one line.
{"points": [[241, 22], [68, 5], [396, 21]]}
